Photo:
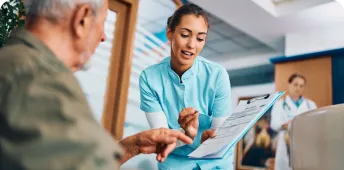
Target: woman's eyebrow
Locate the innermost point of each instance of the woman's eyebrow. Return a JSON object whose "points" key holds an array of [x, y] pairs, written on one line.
{"points": [[188, 30]]}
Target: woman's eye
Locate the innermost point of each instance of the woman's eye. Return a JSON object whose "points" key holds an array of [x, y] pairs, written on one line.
{"points": [[184, 35], [200, 39]]}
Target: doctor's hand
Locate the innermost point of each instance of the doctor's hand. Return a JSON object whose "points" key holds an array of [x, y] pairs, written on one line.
{"points": [[285, 126], [210, 133], [188, 120], [161, 141]]}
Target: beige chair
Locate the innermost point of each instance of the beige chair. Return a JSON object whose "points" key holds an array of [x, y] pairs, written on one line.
{"points": [[317, 139]]}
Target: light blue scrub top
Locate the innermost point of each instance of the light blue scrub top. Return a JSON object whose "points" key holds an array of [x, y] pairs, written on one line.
{"points": [[205, 87]]}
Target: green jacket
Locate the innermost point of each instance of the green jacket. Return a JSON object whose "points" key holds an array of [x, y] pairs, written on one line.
{"points": [[45, 120]]}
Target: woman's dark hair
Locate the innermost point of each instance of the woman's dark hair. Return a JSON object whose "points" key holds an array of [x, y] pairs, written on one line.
{"points": [[296, 75], [174, 20]]}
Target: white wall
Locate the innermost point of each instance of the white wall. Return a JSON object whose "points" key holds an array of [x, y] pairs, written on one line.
{"points": [[267, 5], [285, 7], [247, 61], [292, 7], [314, 41], [251, 90]]}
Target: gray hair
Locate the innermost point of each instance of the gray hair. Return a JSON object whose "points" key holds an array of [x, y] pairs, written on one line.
{"points": [[56, 9]]}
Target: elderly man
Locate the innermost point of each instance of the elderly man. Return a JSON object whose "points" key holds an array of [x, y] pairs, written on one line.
{"points": [[45, 121]]}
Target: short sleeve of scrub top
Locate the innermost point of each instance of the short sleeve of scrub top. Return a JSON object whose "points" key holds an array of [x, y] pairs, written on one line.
{"points": [[149, 101], [222, 96]]}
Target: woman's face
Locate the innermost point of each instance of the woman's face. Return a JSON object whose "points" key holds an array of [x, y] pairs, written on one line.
{"points": [[187, 40], [296, 87]]}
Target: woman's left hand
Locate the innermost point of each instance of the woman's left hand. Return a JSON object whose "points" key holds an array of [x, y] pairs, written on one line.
{"points": [[210, 133]]}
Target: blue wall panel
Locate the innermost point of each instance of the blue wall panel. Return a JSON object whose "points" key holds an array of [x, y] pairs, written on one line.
{"points": [[338, 78]]}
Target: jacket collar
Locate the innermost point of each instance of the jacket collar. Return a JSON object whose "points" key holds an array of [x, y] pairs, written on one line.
{"points": [[45, 54]]}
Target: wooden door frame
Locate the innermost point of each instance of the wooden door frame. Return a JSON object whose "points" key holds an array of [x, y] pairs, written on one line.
{"points": [[118, 81]]}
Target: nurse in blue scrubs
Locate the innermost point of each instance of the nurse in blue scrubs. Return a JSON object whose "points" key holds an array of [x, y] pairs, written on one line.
{"points": [[187, 92]]}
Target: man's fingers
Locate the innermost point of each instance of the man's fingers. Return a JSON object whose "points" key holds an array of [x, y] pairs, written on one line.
{"points": [[148, 149], [171, 136], [163, 143], [182, 137], [159, 157], [169, 148]]}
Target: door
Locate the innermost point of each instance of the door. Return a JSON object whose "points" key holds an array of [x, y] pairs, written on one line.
{"points": [[106, 81]]}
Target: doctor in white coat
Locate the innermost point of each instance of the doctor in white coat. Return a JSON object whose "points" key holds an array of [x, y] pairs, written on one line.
{"points": [[283, 112]]}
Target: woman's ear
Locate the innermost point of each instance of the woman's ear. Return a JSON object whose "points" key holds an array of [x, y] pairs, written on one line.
{"points": [[169, 34]]}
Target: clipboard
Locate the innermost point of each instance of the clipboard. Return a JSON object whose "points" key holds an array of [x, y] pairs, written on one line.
{"points": [[225, 140], [266, 96]]}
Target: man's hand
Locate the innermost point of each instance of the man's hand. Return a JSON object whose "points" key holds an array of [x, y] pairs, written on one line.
{"points": [[160, 141], [188, 120], [207, 134]]}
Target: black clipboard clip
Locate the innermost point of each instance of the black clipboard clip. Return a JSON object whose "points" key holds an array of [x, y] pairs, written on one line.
{"points": [[258, 98]]}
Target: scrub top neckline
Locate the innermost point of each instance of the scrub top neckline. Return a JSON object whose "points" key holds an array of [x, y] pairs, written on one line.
{"points": [[191, 72]]}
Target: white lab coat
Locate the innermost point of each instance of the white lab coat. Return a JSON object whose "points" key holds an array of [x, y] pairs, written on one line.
{"points": [[283, 111]]}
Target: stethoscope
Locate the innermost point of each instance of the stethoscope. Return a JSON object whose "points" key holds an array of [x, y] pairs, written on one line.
{"points": [[285, 105]]}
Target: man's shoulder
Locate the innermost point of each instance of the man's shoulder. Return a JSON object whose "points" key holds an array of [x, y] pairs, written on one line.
{"points": [[17, 58]]}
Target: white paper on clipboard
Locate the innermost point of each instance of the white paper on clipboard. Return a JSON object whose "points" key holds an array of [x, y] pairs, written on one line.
{"points": [[245, 115]]}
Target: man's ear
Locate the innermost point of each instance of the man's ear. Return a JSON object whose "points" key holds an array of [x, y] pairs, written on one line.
{"points": [[82, 20], [169, 34]]}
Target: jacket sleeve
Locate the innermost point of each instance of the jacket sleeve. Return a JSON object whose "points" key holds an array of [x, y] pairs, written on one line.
{"points": [[313, 105], [46, 123], [276, 117]]}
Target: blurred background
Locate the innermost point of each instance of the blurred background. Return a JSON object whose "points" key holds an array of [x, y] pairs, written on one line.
{"points": [[259, 42], [249, 38]]}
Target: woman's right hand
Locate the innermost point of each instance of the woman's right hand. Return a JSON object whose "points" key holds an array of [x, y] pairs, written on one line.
{"points": [[188, 120]]}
